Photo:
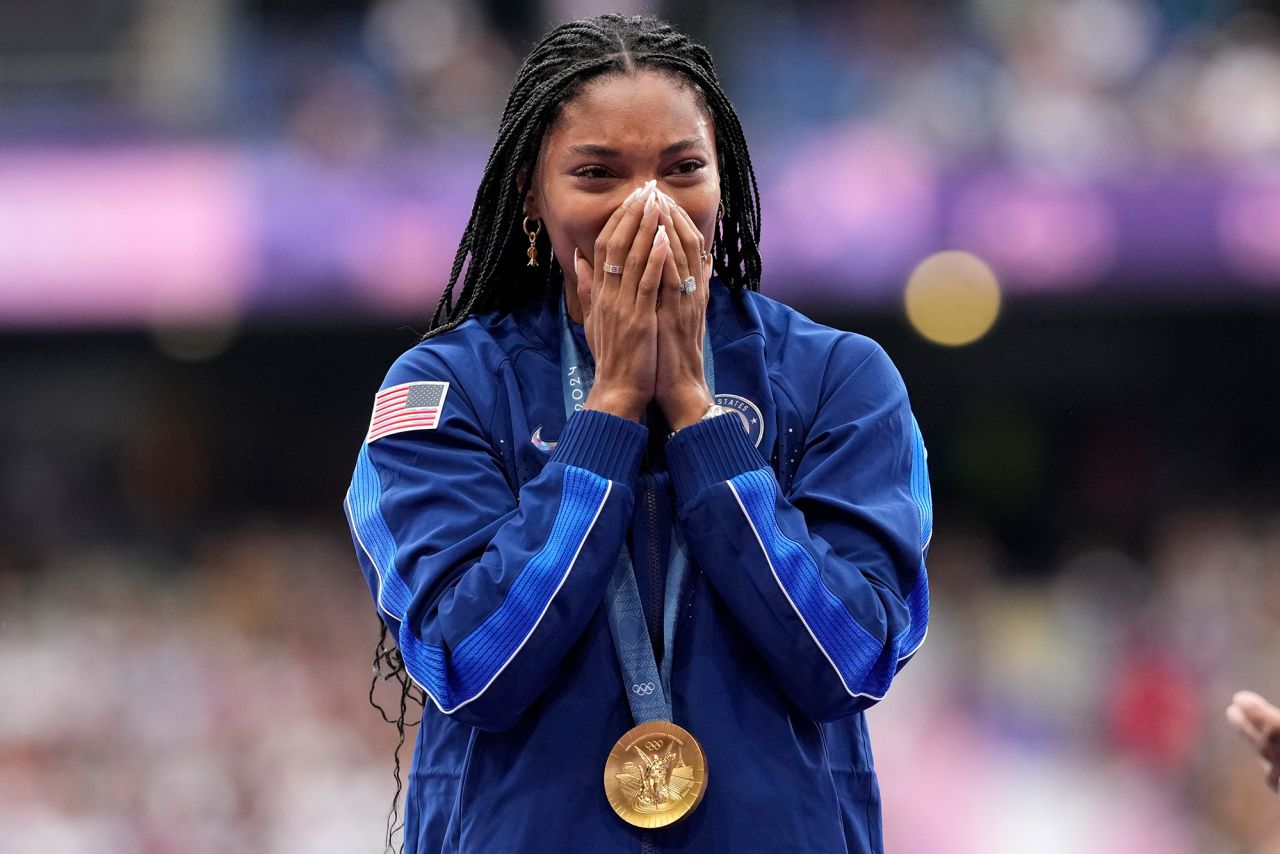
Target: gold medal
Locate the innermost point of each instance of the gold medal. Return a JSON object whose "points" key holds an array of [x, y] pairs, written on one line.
{"points": [[655, 775]]}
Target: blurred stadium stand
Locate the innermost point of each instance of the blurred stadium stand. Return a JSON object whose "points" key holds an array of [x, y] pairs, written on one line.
{"points": [[220, 221]]}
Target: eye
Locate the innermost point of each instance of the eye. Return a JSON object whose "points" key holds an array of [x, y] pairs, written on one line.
{"points": [[688, 167], [591, 172]]}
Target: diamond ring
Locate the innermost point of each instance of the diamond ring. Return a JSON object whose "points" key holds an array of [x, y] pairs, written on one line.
{"points": [[689, 285]]}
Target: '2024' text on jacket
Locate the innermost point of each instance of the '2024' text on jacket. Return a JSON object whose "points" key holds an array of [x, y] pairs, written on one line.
{"points": [[488, 537]]}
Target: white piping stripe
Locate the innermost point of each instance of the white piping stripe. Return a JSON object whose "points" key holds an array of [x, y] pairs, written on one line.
{"points": [[607, 490], [769, 561], [378, 572]]}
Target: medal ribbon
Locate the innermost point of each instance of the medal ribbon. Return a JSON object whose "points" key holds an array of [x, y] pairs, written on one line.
{"points": [[648, 681]]}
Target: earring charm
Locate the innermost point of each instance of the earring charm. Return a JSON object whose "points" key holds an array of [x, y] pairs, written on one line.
{"points": [[532, 251]]}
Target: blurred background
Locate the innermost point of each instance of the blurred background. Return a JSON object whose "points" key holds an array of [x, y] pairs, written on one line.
{"points": [[221, 220]]}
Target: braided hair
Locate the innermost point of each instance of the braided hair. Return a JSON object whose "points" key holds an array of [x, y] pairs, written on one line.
{"points": [[496, 275], [556, 70]]}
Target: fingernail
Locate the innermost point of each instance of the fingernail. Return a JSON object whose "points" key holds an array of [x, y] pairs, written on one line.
{"points": [[635, 194], [575, 258], [665, 201], [648, 203], [661, 236]]}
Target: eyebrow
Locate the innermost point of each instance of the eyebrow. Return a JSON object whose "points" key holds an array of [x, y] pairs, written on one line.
{"points": [[605, 151]]}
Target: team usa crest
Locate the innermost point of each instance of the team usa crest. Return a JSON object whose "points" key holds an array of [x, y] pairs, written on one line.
{"points": [[748, 412]]}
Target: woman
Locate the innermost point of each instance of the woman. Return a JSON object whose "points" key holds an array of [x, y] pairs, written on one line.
{"points": [[630, 519]]}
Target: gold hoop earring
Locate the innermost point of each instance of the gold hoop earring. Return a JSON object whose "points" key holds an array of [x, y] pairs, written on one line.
{"points": [[532, 251], [720, 211]]}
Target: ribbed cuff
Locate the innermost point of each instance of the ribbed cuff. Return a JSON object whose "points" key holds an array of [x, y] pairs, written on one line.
{"points": [[709, 452], [606, 444]]}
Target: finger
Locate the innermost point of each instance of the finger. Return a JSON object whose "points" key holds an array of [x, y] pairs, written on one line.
{"points": [[679, 242], [703, 266], [1255, 706], [600, 250], [1244, 725], [582, 269], [1273, 778], [602, 239], [614, 248], [692, 242], [669, 290], [1264, 717], [651, 279], [637, 259]]}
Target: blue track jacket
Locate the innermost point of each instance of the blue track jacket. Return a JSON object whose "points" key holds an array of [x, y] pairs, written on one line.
{"points": [[488, 533]]}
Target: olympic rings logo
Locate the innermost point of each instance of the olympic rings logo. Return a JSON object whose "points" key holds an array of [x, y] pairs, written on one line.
{"points": [[644, 689]]}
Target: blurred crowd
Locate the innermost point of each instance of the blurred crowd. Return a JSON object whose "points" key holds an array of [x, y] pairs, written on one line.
{"points": [[1074, 88], [218, 704], [1084, 710], [291, 158], [150, 706]]}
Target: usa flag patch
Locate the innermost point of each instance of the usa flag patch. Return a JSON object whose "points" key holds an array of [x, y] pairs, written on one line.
{"points": [[404, 407]]}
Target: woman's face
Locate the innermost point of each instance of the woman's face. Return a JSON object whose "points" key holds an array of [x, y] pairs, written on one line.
{"points": [[619, 132]]}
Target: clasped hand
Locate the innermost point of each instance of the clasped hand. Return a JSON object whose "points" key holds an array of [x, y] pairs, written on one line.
{"points": [[644, 333]]}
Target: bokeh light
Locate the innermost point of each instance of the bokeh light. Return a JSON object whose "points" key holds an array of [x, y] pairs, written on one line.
{"points": [[952, 298]]}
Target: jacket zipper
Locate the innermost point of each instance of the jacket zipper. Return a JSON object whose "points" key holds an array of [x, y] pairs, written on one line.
{"points": [[655, 570]]}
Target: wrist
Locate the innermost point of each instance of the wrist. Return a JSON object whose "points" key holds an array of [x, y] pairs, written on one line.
{"points": [[614, 402], [687, 408]]}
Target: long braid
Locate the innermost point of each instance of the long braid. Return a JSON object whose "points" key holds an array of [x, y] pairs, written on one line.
{"points": [[490, 263], [387, 665]]}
